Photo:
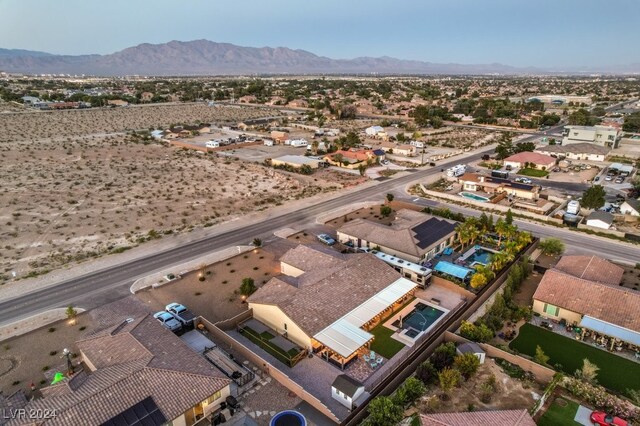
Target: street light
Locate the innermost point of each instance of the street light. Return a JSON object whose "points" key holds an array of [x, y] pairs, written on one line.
{"points": [[66, 353]]}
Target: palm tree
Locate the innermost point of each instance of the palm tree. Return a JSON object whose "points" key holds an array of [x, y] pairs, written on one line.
{"points": [[314, 146], [464, 233], [486, 271], [498, 260], [523, 238], [501, 229], [474, 233]]}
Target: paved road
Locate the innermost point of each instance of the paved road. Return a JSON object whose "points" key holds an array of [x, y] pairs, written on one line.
{"points": [[101, 286], [111, 283]]}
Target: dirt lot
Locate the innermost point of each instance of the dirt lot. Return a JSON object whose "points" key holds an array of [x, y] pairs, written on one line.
{"points": [[56, 125], [631, 277], [524, 295], [23, 359], [217, 297], [67, 201], [511, 394], [574, 176]]}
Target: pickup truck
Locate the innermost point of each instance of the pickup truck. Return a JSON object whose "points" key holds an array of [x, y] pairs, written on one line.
{"points": [[181, 313]]}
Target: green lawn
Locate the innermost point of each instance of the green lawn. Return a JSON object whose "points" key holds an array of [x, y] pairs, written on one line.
{"points": [[383, 343], [533, 172], [616, 373], [263, 340], [558, 414]]}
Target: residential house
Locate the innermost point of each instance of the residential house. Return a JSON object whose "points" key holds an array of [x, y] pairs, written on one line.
{"points": [[493, 185], [347, 390], [327, 301], [373, 131], [526, 159], [412, 236], [586, 291], [630, 207], [598, 135], [400, 149], [136, 367], [117, 102], [298, 103], [600, 219], [247, 99], [351, 159], [146, 96], [479, 418], [576, 151], [295, 161]]}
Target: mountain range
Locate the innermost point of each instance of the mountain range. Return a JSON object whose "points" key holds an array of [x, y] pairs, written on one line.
{"points": [[204, 57]]}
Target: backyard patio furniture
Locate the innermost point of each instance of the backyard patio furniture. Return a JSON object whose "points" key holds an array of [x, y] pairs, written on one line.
{"points": [[379, 360], [373, 365]]}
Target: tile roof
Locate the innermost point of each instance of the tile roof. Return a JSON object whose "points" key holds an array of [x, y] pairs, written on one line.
{"points": [[479, 418], [317, 298], [634, 204], [411, 232], [308, 258], [592, 268], [576, 148], [530, 157], [606, 302], [132, 363]]}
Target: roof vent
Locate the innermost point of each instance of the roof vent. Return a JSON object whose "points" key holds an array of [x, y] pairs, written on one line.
{"points": [[122, 325]]}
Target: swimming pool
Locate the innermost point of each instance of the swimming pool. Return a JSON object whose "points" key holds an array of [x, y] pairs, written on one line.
{"points": [[474, 197], [288, 418], [480, 256], [418, 320]]}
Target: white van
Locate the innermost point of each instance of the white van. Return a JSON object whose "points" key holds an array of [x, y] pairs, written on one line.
{"points": [[212, 144]]}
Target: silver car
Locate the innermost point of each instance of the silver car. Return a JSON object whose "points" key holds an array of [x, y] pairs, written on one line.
{"points": [[168, 321]]}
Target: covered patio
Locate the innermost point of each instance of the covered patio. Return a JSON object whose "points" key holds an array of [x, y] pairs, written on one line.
{"points": [[348, 337]]}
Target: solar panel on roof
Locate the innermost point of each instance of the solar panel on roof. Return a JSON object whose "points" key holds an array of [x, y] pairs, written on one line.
{"points": [[144, 413], [431, 231]]}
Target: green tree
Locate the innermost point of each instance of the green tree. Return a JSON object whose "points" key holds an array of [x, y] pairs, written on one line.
{"points": [[478, 281], [551, 246], [383, 412], [409, 391], [257, 242], [390, 197], [71, 312], [247, 287], [362, 169], [385, 211], [478, 333], [426, 372], [540, 357], [448, 379], [582, 117], [504, 149], [443, 356], [632, 123], [467, 364], [509, 217], [588, 372], [593, 197]]}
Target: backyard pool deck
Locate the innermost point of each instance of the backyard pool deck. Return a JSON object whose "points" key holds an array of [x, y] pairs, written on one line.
{"points": [[400, 334]]}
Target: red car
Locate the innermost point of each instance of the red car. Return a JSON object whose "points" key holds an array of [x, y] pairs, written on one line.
{"points": [[603, 419]]}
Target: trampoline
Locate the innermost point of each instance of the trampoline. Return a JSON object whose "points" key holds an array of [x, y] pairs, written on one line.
{"points": [[452, 269], [288, 418]]}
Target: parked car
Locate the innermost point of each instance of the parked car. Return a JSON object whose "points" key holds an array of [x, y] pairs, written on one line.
{"points": [[181, 313], [326, 239], [524, 180], [597, 178], [168, 320], [603, 419], [608, 178], [384, 162], [618, 180]]}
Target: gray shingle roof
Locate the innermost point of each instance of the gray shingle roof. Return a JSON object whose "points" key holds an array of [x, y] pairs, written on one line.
{"points": [[347, 385]]}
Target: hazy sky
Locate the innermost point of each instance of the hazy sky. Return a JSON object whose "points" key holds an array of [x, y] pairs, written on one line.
{"points": [[539, 33]]}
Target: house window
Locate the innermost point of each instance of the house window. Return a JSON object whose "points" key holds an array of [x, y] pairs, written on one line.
{"points": [[214, 397], [551, 310], [611, 137]]}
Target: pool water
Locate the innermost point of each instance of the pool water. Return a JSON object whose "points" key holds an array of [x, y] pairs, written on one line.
{"points": [[480, 256], [474, 197], [420, 319]]}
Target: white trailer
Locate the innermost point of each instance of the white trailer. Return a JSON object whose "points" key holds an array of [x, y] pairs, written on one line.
{"points": [[213, 144], [298, 143], [268, 142], [457, 170], [573, 207]]}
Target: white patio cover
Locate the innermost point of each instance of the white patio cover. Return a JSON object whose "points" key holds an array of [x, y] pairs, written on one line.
{"points": [[345, 336], [612, 330]]}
